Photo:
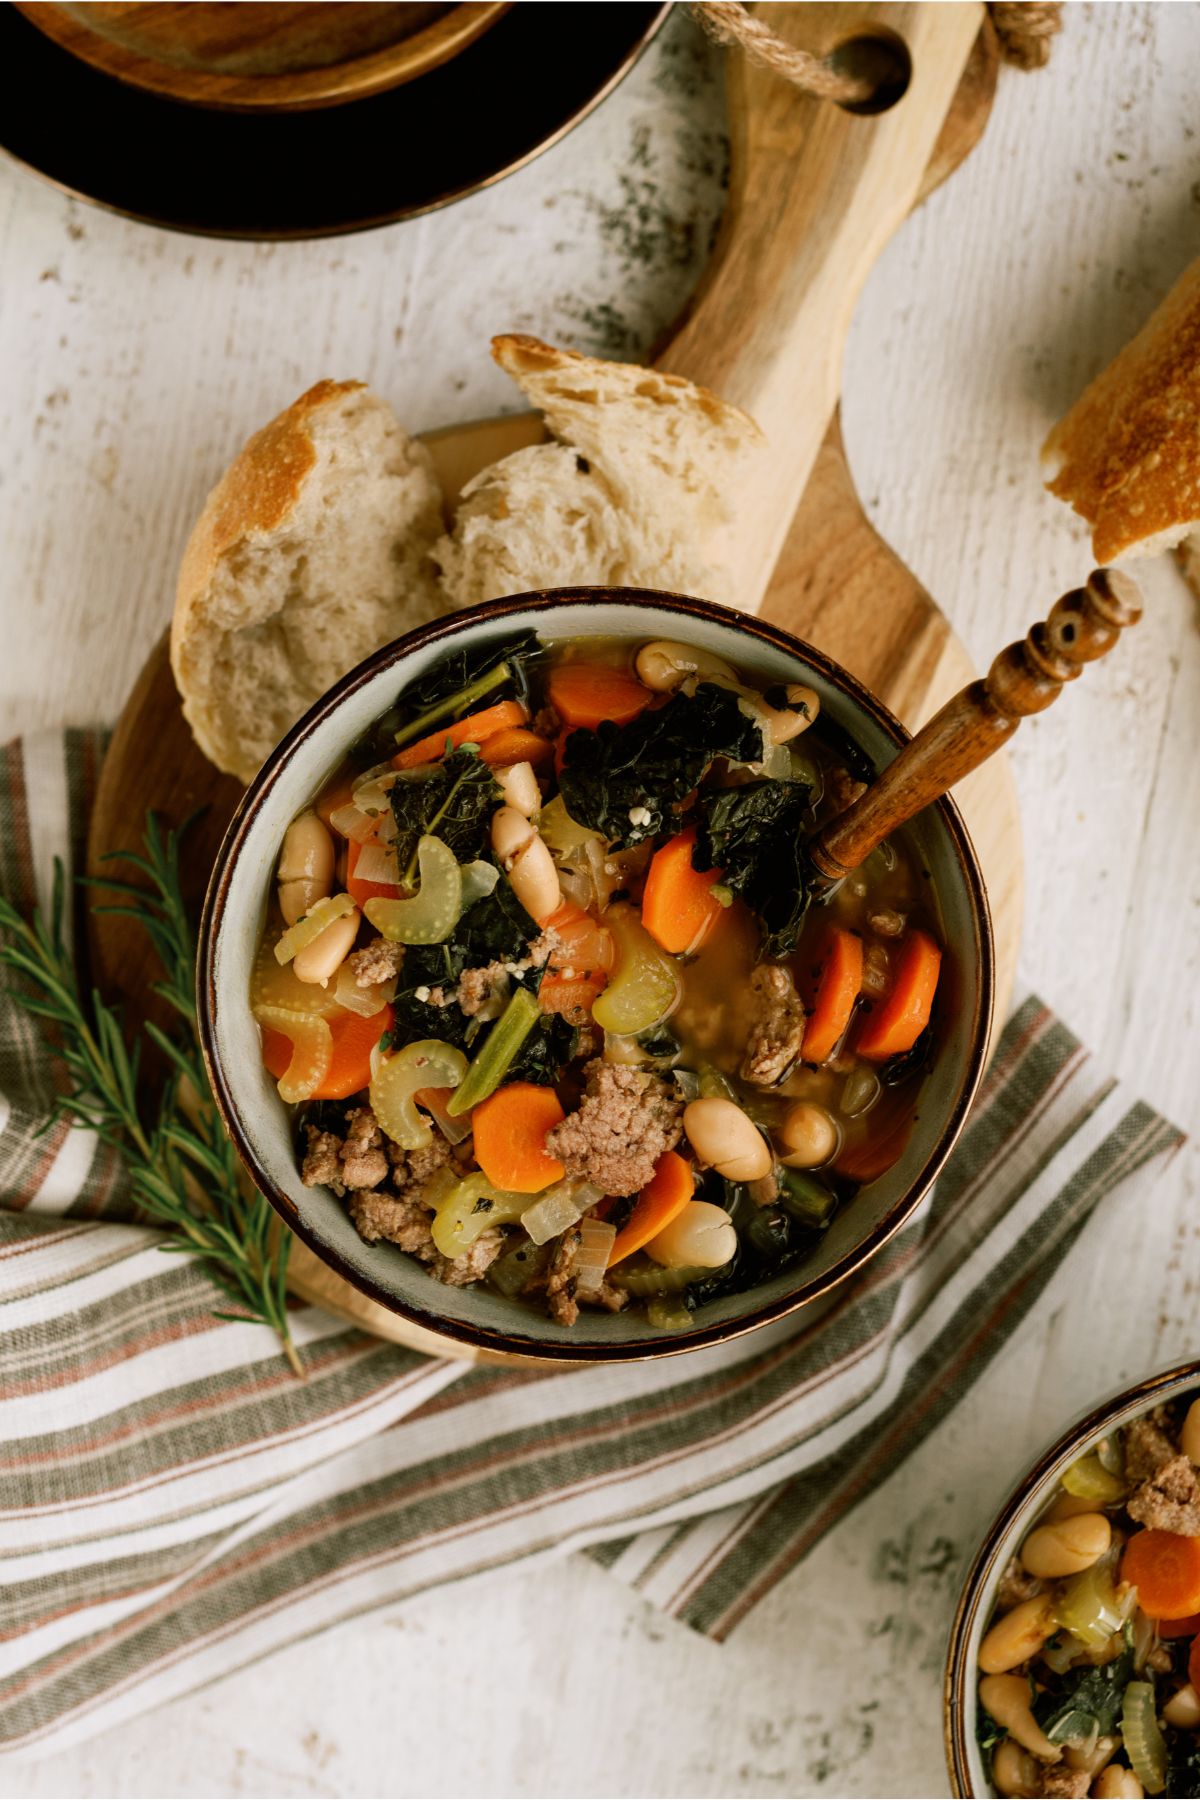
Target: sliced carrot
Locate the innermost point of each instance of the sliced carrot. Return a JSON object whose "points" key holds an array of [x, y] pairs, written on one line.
{"points": [[349, 1070], [1173, 1628], [585, 694], [665, 1194], [899, 1019], [362, 891], [501, 749], [838, 987], [1165, 1570], [334, 797], [571, 995], [583, 944], [678, 908], [510, 1137], [474, 729]]}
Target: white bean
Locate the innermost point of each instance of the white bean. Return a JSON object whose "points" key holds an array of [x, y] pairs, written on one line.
{"points": [[1183, 1708], [511, 831], [701, 1236], [809, 1134], [1117, 1783], [1014, 1772], [519, 785], [305, 872], [321, 959], [1017, 1636], [1006, 1697], [535, 882], [786, 724], [1189, 1437], [722, 1135], [1066, 1546], [665, 664], [1088, 1758]]}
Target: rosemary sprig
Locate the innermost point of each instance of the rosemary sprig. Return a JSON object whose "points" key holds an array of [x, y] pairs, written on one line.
{"points": [[182, 1167]]}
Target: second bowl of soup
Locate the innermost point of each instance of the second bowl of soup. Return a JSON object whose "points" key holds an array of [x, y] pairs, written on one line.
{"points": [[519, 1005]]}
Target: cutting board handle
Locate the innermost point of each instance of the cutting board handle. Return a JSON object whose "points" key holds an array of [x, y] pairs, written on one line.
{"points": [[816, 191], [1024, 679]]}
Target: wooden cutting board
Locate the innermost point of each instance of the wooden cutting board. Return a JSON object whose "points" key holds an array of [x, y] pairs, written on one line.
{"points": [[767, 331]]}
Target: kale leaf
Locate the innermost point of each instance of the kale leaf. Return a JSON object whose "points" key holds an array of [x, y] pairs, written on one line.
{"points": [[464, 678], [650, 766], [546, 1051], [1183, 1777], [453, 799], [496, 929], [756, 836], [1086, 1701]]}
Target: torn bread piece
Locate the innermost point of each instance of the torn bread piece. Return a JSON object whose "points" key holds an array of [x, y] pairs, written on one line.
{"points": [[638, 490], [1127, 455], [312, 551]]}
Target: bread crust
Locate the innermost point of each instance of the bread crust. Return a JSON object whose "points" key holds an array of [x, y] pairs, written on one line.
{"points": [[1127, 455], [258, 490], [523, 357]]}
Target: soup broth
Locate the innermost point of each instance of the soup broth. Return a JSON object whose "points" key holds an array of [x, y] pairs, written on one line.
{"points": [[545, 982]]}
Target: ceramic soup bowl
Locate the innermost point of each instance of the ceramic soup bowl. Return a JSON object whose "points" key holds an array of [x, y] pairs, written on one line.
{"points": [[968, 1775], [260, 1124]]}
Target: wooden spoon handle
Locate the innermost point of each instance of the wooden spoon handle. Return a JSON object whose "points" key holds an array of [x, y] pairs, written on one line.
{"points": [[1024, 679]]}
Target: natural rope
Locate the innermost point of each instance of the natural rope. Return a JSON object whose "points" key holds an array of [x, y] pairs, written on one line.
{"points": [[1024, 29]]}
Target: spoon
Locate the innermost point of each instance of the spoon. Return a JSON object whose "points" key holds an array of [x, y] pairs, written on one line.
{"points": [[1026, 678]]}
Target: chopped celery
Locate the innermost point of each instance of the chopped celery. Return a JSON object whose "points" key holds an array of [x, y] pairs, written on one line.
{"points": [[429, 1063], [470, 1207], [807, 1200], [500, 1050], [512, 1272], [431, 914], [1091, 1606], [638, 1275], [667, 1313], [645, 986], [1088, 1479], [307, 929], [1145, 1745]]}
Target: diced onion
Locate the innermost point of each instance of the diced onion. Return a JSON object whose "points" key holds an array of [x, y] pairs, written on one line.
{"points": [[371, 789], [306, 930], [350, 821], [312, 1050], [365, 1001], [377, 863], [596, 1238], [558, 1209], [469, 1208]]}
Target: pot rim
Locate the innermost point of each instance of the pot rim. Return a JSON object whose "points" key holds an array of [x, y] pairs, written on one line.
{"points": [[257, 795], [1141, 1395]]}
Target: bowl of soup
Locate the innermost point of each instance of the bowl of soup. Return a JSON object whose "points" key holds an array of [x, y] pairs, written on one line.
{"points": [[1074, 1660], [524, 1010]]}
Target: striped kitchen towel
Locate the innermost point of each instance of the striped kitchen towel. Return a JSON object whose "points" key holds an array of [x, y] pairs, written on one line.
{"points": [[175, 1504]]}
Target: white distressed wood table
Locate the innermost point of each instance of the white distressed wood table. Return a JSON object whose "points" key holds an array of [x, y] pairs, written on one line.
{"points": [[135, 362]]}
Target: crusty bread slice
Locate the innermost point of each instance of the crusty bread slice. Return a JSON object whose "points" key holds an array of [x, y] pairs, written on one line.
{"points": [[1127, 455], [637, 490], [312, 551], [547, 517]]}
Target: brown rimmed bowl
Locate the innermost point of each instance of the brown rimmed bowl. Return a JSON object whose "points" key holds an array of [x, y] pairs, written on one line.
{"points": [[252, 57], [960, 1686], [260, 1124]]}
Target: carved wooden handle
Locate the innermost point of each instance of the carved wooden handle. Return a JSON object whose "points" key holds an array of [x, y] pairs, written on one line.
{"points": [[1024, 679]]}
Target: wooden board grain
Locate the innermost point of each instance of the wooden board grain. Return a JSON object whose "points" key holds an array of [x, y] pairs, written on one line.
{"points": [[835, 581]]}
